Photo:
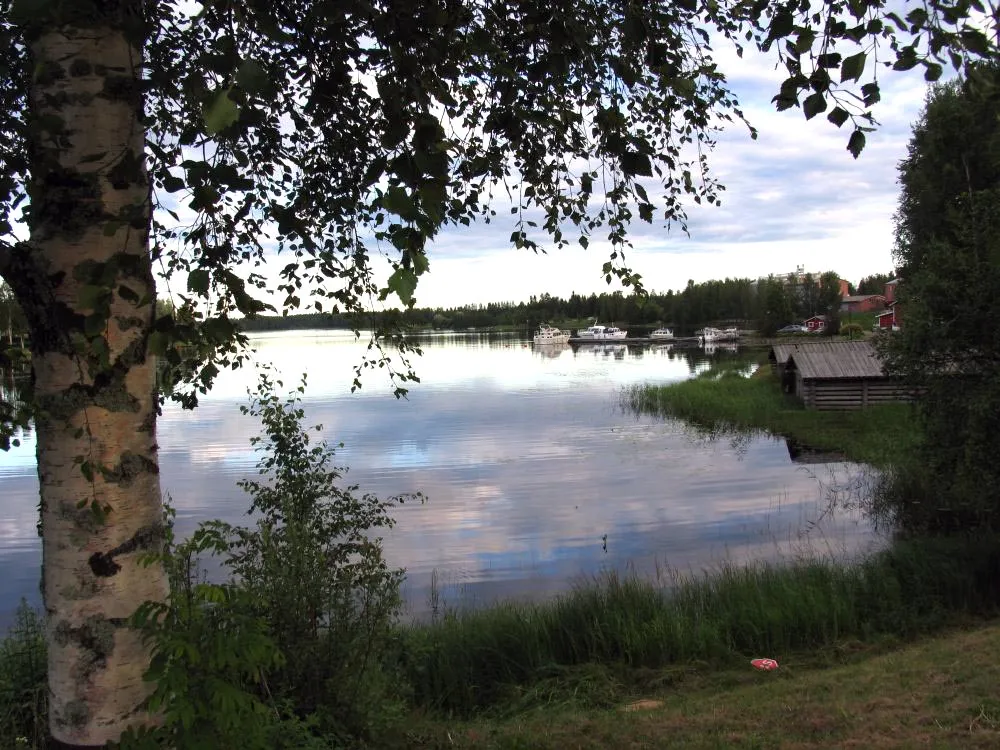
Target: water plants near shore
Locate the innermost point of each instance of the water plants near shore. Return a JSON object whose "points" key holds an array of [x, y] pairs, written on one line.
{"points": [[625, 631], [723, 400], [497, 671]]}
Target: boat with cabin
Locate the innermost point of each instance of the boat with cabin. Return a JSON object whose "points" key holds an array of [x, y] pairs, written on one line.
{"points": [[550, 335], [709, 334], [601, 333], [662, 334]]}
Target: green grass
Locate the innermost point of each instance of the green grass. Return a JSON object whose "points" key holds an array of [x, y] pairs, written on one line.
{"points": [[938, 692], [720, 402], [594, 644]]}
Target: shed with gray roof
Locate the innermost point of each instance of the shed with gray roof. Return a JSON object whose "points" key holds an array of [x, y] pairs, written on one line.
{"points": [[835, 374]]}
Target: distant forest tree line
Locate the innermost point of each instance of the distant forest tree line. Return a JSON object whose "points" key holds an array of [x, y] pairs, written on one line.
{"points": [[764, 304]]}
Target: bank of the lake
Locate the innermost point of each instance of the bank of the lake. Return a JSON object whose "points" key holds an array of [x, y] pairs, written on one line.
{"points": [[625, 631], [723, 399], [934, 692], [908, 635]]}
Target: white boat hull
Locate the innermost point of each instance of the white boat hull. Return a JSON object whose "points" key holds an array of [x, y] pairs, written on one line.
{"points": [[562, 338], [549, 335], [601, 333]]}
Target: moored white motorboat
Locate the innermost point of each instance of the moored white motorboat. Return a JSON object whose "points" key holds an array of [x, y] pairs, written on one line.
{"points": [[710, 334], [550, 335], [662, 333], [601, 333], [719, 334]]}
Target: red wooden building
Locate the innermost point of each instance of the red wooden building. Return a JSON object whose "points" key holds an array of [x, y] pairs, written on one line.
{"points": [[862, 303], [890, 320], [815, 324]]}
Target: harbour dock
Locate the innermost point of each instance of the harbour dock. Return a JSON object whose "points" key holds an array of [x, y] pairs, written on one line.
{"points": [[682, 340]]}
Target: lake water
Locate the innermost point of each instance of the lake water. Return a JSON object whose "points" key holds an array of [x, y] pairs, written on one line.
{"points": [[535, 478]]}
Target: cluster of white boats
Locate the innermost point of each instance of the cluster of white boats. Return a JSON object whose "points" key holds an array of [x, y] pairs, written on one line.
{"points": [[719, 334], [550, 335]]}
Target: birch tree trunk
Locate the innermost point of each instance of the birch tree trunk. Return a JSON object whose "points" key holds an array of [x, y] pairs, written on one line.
{"points": [[85, 282]]}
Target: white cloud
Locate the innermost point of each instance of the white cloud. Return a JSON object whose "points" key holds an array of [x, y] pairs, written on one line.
{"points": [[795, 196]]}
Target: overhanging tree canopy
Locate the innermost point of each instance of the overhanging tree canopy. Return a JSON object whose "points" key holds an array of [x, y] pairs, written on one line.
{"points": [[949, 300], [335, 130]]}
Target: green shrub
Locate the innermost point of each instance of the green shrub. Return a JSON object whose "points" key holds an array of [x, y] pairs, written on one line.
{"points": [[210, 655], [23, 682], [316, 572], [851, 330], [288, 652]]}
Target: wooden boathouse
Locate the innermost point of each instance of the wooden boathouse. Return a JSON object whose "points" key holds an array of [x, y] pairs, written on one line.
{"points": [[835, 374]]}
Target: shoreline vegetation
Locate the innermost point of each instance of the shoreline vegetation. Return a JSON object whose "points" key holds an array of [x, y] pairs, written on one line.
{"points": [[722, 400]]}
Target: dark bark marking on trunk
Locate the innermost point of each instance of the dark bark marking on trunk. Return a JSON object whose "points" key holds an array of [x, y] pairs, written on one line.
{"points": [[48, 73], [83, 519], [68, 201], [75, 714], [127, 323], [148, 424], [103, 563], [110, 394], [83, 587], [95, 642], [128, 171], [123, 89], [133, 354], [130, 466], [80, 67], [48, 320]]}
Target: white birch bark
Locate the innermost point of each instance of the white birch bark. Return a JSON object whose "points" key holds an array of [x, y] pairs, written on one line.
{"points": [[104, 416]]}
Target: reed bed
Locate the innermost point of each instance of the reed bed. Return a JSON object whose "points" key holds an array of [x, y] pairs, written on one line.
{"points": [[721, 402], [469, 661]]}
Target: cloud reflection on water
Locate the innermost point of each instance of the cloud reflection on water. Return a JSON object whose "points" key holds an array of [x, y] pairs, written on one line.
{"points": [[526, 461]]}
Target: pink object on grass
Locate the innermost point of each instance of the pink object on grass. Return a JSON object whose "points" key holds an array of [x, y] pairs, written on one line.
{"points": [[765, 665]]}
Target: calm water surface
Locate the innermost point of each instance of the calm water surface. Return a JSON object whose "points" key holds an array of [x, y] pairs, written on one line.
{"points": [[535, 478]]}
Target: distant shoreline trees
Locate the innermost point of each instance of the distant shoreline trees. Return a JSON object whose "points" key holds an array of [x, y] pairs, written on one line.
{"points": [[765, 304]]}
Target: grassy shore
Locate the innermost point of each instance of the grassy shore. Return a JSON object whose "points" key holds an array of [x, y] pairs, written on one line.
{"points": [[856, 668], [721, 401], [626, 632], [938, 692]]}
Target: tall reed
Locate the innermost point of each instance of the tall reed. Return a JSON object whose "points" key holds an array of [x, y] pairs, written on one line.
{"points": [[468, 661]]}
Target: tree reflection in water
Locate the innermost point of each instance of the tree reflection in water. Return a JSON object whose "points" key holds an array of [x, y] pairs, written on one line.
{"points": [[15, 397]]}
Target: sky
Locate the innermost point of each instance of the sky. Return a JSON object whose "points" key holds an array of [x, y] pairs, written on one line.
{"points": [[794, 197]]}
